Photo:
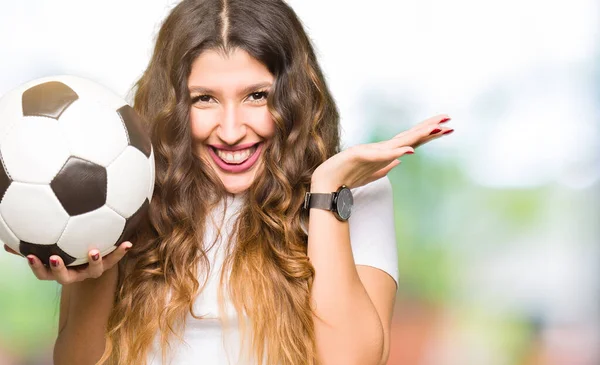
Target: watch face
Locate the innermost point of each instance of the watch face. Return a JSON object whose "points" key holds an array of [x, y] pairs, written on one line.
{"points": [[344, 203]]}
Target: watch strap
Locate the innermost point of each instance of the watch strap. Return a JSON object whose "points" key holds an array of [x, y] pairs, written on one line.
{"points": [[318, 200]]}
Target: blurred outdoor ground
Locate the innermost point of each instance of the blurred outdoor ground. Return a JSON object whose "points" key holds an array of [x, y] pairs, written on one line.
{"points": [[497, 224]]}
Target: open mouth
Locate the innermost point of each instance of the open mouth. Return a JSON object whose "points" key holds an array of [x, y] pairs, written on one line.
{"points": [[236, 161], [235, 157]]}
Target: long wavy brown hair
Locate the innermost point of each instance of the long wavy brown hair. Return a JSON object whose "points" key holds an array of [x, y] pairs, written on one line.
{"points": [[267, 273]]}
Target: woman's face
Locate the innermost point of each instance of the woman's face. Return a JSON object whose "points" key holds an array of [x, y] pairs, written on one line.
{"points": [[229, 118]]}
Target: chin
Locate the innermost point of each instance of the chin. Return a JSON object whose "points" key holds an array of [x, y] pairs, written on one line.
{"points": [[237, 189], [237, 184]]}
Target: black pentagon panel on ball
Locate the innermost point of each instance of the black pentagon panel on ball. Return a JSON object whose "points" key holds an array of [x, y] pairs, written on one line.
{"points": [[43, 252], [133, 223], [49, 99], [136, 134], [80, 186], [5, 180]]}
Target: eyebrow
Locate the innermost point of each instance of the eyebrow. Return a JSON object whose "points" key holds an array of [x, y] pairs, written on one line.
{"points": [[246, 90]]}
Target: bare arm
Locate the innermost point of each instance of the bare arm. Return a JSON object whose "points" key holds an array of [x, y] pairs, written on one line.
{"points": [[85, 304], [381, 288], [84, 310], [350, 329]]}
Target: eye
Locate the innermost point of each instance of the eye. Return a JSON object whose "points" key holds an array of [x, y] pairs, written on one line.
{"points": [[201, 98], [258, 96]]}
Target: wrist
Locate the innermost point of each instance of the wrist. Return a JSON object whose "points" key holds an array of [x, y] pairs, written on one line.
{"points": [[323, 185], [328, 195]]}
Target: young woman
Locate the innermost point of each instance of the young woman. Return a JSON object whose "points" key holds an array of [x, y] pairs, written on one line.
{"points": [[237, 263]]}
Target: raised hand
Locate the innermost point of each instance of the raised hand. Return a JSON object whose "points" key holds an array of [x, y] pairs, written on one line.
{"points": [[66, 275], [362, 164]]}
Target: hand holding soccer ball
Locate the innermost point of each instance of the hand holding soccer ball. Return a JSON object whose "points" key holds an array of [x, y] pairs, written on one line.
{"points": [[77, 172], [67, 275]]}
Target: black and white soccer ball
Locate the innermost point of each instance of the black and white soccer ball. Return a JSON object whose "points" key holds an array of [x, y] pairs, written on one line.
{"points": [[77, 169]]}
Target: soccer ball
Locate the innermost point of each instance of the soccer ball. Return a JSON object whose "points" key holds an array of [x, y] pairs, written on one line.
{"points": [[77, 169]]}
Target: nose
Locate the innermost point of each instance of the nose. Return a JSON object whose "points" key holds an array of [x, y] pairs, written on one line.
{"points": [[232, 128]]}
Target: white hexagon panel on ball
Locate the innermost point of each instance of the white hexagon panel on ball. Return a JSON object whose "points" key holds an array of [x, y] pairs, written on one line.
{"points": [[25, 203], [128, 182], [94, 132], [98, 229]]}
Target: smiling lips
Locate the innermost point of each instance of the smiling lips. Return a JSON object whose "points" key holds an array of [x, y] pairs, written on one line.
{"points": [[236, 161], [236, 157]]}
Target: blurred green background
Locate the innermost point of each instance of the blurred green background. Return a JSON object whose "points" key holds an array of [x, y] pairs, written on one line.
{"points": [[497, 224]]}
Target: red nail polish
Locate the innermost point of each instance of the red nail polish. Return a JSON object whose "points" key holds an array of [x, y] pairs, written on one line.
{"points": [[448, 131], [54, 262], [444, 120], [409, 152], [31, 260], [437, 130], [96, 256]]}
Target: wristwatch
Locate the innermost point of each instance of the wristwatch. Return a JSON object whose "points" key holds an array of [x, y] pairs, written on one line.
{"points": [[339, 202]]}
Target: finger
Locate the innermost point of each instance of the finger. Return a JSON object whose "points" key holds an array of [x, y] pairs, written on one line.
{"points": [[385, 155], [384, 171], [432, 136], [95, 267], [425, 135], [62, 274], [115, 256], [10, 250], [440, 118], [39, 270], [428, 124], [413, 137], [407, 141], [399, 152]]}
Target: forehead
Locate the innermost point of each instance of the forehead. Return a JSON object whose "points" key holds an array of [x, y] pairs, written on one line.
{"points": [[214, 69]]}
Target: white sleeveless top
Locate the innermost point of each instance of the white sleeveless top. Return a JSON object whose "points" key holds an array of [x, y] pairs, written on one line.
{"points": [[372, 236]]}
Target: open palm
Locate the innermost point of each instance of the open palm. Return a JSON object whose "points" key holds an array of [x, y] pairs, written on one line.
{"points": [[364, 163]]}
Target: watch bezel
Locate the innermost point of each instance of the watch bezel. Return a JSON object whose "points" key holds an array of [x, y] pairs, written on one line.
{"points": [[336, 208]]}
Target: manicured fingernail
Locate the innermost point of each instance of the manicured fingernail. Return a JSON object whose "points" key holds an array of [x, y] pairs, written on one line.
{"points": [[96, 256], [54, 262], [31, 260], [437, 130], [410, 152], [444, 120], [448, 131]]}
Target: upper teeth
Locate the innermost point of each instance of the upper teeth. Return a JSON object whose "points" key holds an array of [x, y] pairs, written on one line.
{"points": [[237, 156]]}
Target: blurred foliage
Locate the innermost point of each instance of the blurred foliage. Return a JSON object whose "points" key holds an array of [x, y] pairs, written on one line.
{"points": [[28, 309]]}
